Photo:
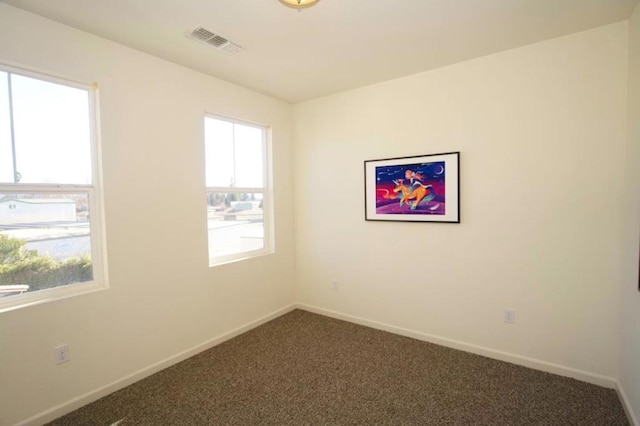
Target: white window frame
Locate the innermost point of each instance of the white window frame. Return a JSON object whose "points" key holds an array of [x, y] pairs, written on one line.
{"points": [[95, 194], [266, 191]]}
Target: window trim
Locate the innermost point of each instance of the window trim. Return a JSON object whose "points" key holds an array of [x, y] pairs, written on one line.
{"points": [[266, 191], [96, 202]]}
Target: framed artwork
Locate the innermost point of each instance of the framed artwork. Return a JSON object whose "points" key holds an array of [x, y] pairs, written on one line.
{"points": [[424, 188]]}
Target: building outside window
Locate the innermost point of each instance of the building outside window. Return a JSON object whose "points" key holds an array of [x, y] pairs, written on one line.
{"points": [[50, 227], [238, 192]]}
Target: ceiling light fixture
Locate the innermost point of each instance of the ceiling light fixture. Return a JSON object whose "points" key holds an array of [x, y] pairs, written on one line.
{"points": [[299, 4]]}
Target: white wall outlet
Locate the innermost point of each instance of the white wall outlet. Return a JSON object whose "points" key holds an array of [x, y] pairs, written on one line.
{"points": [[334, 285], [509, 316], [61, 354]]}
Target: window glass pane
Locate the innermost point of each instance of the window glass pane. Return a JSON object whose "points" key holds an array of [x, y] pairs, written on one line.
{"points": [[218, 137], [6, 155], [248, 156], [235, 223], [45, 241], [52, 132]]}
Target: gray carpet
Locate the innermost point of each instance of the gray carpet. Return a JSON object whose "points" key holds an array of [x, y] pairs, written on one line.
{"points": [[306, 369]]}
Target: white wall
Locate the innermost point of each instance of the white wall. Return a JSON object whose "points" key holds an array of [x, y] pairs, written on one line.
{"points": [[542, 132], [630, 347], [164, 298]]}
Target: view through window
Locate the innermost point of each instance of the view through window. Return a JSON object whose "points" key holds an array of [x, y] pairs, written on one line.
{"points": [[237, 197], [47, 194]]}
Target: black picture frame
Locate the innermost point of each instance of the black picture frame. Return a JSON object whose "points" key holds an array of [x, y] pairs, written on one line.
{"points": [[420, 188]]}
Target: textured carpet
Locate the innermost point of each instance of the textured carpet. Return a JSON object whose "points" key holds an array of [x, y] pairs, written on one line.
{"points": [[306, 369]]}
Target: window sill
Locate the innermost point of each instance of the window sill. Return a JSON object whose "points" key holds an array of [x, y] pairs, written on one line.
{"points": [[225, 260], [10, 303]]}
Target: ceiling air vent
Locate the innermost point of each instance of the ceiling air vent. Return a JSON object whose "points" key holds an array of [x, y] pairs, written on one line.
{"points": [[215, 40]]}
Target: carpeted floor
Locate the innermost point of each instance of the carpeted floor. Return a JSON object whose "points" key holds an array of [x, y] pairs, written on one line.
{"points": [[306, 369]]}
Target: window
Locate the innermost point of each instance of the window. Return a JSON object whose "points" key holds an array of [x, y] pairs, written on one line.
{"points": [[50, 234], [238, 201]]}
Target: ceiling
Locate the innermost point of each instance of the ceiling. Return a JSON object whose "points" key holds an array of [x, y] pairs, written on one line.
{"points": [[333, 46]]}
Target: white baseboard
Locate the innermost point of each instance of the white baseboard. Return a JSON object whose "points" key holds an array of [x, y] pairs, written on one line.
{"points": [[633, 419], [80, 401], [536, 364], [96, 394]]}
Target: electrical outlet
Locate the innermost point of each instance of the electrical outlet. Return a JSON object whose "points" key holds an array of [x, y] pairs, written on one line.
{"points": [[334, 285], [61, 354], [509, 316]]}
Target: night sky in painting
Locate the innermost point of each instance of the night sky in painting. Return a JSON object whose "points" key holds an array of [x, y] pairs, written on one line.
{"points": [[422, 182]]}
